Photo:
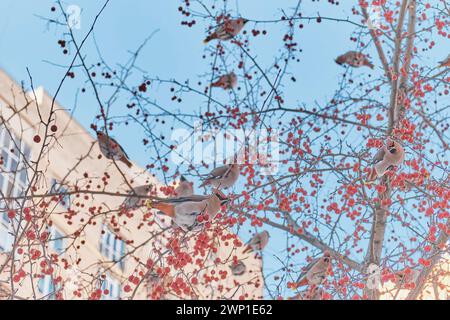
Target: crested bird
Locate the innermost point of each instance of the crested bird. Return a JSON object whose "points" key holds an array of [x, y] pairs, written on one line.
{"points": [[111, 149], [258, 242], [226, 82], [189, 212], [354, 59], [315, 272], [407, 278], [228, 30], [390, 155], [238, 268]]}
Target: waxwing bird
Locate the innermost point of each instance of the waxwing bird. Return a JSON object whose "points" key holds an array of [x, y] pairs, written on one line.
{"points": [[354, 59], [226, 82], [445, 62], [228, 30], [189, 212], [390, 155], [136, 198], [223, 177], [406, 278], [316, 272], [238, 268], [258, 242], [111, 149], [184, 189], [154, 280]]}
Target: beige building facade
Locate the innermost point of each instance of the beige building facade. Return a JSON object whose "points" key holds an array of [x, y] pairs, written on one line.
{"points": [[437, 286], [63, 234]]}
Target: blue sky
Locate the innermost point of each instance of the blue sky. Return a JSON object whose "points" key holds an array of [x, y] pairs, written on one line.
{"points": [[26, 41]]}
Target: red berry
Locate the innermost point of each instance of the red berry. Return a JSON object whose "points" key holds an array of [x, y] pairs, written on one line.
{"points": [[37, 139], [11, 214], [54, 128]]}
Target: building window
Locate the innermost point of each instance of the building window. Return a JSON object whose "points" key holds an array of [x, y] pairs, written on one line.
{"points": [[47, 288], [111, 289], [6, 237], [112, 247], [13, 181], [56, 241], [62, 190]]}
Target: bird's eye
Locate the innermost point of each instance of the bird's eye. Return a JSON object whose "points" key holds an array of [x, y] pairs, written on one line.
{"points": [[393, 150]]}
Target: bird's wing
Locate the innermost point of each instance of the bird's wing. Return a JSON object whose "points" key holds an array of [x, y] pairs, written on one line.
{"points": [[193, 198], [225, 29], [254, 240], [219, 172], [379, 156], [120, 147], [190, 209], [307, 268]]}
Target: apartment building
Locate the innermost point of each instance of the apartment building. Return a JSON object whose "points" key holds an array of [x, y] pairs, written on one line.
{"points": [[437, 286], [57, 242]]}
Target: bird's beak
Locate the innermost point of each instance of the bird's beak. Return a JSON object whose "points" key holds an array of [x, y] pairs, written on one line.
{"points": [[182, 178]]}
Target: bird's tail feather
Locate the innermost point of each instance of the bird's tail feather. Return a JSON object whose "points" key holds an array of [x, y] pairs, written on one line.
{"points": [[370, 65], [339, 61], [248, 249], [127, 162], [209, 38]]}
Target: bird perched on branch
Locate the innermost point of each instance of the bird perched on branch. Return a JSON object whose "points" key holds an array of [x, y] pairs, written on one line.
{"points": [[238, 268], [226, 82], [445, 62], [111, 149], [136, 197], [184, 189], [258, 242], [189, 212], [407, 278], [315, 272], [354, 59], [228, 30], [223, 177], [390, 155]]}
